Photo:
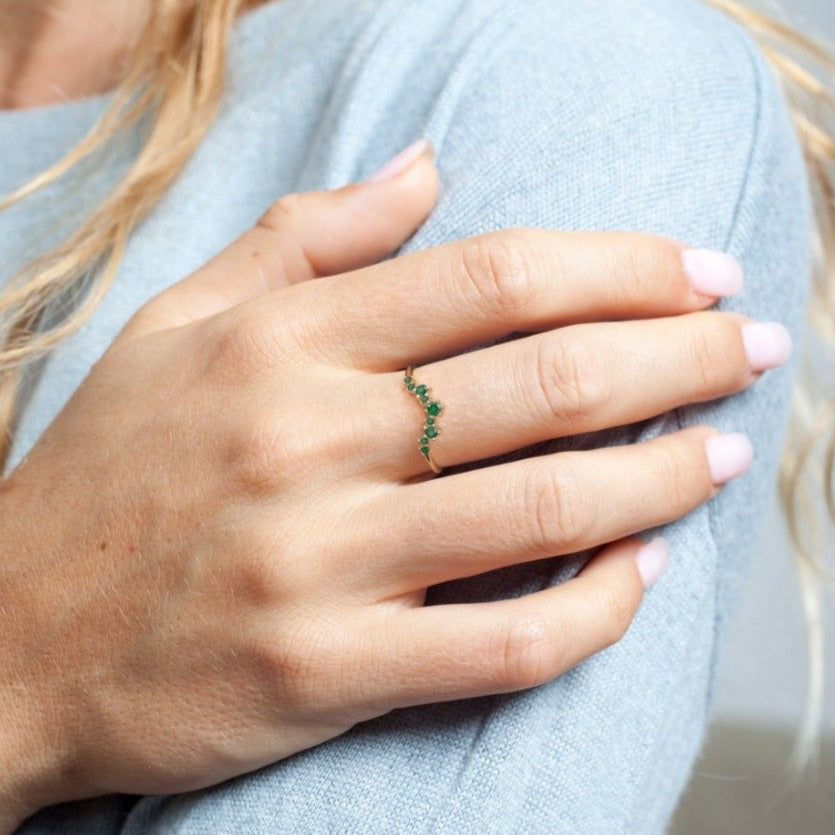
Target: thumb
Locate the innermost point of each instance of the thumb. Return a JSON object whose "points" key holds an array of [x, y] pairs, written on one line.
{"points": [[303, 236]]}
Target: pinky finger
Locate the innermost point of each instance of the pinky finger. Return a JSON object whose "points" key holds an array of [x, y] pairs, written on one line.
{"points": [[458, 651]]}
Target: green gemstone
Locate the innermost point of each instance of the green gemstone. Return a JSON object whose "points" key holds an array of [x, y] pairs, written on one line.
{"points": [[424, 450], [407, 380], [410, 386], [424, 441], [431, 431], [430, 421], [433, 408], [421, 389]]}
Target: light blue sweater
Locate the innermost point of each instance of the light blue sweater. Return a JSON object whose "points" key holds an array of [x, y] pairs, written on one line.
{"points": [[656, 115]]}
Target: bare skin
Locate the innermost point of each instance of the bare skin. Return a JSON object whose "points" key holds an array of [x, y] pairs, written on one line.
{"points": [[64, 49], [221, 582]]}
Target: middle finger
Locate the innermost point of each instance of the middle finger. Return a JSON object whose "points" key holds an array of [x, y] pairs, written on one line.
{"points": [[457, 295]]}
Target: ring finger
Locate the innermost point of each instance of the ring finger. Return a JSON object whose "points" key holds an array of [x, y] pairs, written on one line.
{"points": [[568, 381]]}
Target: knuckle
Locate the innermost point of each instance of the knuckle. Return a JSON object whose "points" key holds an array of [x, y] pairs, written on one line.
{"points": [[525, 653], [557, 513], [142, 318], [497, 271], [244, 342], [270, 454], [284, 213], [571, 376], [299, 665], [266, 571], [235, 341]]}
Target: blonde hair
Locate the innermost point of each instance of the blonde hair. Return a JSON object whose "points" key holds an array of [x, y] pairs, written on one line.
{"points": [[176, 75]]}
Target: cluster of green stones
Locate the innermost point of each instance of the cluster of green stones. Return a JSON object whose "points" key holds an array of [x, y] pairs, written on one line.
{"points": [[433, 409]]}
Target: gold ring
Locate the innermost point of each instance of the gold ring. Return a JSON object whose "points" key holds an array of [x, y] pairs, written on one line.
{"points": [[432, 408]]}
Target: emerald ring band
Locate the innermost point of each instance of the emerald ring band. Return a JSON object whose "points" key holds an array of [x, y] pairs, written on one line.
{"points": [[431, 408]]}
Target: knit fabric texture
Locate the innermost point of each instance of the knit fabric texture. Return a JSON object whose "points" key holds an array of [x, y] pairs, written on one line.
{"points": [[652, 115]]}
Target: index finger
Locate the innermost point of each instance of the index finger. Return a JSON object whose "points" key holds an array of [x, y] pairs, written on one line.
{"points": [[460, 294]]}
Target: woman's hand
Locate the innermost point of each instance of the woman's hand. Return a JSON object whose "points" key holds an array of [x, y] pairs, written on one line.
{"points": [[218, 552]]}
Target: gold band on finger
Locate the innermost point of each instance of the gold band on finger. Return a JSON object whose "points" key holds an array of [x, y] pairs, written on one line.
{"points": [[432, 408]]}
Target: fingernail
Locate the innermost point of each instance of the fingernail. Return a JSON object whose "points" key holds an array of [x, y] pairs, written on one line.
{"points": [[401, 162], [653, 560], [713, 273], [728, 456], [767, 345]]}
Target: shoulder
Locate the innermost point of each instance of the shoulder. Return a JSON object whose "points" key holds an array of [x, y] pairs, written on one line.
{"points": [[626, 114], [601, 55], [653, 114]]}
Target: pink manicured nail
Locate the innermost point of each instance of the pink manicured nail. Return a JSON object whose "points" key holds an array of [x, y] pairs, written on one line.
{"points": [[399, 163], [728, 456], [767, 345], [653, 560], [713, 273]]}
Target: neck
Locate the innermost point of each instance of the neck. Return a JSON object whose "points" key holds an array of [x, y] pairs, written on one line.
{"points": [[55, 50]]}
